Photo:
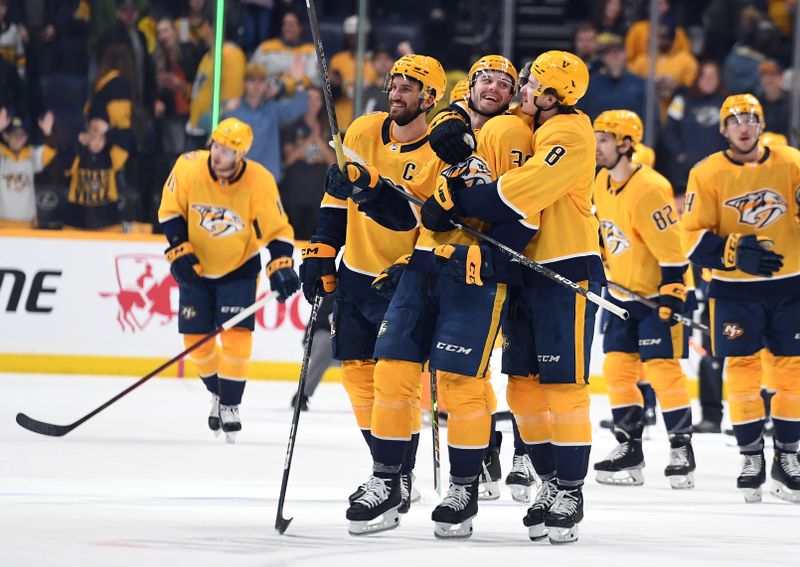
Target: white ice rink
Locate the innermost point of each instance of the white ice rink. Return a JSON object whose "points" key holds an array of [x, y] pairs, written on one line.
{"points": [[145, 484]]}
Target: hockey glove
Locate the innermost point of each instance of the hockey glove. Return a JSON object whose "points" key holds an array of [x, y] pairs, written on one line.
{"points": [[671, 298], [365, 179], [336, 184], [439, 209], [751, 254], [469, 264], [451, 136], [318, 270], [183, 264], [386, 283], [282, 277]]}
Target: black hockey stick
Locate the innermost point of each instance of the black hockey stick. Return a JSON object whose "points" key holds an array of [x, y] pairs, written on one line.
{"points": [[53, 430], [437, 463], [682, 319], [327, 93], [522, 259], [282, 523]]}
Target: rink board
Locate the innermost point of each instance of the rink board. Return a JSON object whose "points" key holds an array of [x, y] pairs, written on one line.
{"points": [[89, 303]]}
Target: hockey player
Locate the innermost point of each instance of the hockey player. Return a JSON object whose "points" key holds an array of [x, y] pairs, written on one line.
{"points": [[217, 209], [447, 306], [397, 143], [741, 220], [549, 329], [641, 232]]}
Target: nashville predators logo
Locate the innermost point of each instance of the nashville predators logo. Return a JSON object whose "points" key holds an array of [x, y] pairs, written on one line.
{"points": [[732, 331], [219, 221], [473, 171], [616, 241], [760, 208]]}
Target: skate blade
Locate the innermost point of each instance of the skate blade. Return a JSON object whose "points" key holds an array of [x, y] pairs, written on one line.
{"points": [[489, 491], [520, 493], [751, 495], [385, 522], [453, 531], [216, 432], [627, 477], [559, 536], [537, 532], [779, 490], [682, 482], [230, 437]]}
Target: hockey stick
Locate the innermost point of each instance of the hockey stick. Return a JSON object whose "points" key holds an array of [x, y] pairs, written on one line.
{"points": [[524, 260], [282, 523], [682, 319], [437, 463], [327, 93], [53, 430]]}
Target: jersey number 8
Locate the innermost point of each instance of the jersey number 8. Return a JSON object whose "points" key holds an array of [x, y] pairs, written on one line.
{"points": [[554, 155]]}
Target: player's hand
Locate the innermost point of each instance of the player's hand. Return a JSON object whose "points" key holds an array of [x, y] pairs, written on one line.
{"points": [[318, 270], [386, 283], [365, 179], [183, 264], [671, 298], [282, 277], [440, 208], [468, 264], [451, 136], [751, 254], [337, 184]]}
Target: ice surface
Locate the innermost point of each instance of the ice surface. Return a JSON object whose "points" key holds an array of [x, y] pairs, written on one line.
{"points": [[146, 484]]}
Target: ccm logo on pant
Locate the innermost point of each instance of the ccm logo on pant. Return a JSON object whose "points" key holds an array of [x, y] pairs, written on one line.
{"points": [[453, 348]]}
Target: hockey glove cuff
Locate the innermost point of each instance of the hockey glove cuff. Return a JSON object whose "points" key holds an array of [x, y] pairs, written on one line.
{"points": [[282, 277], [440, 208], [386, 283], [751, 254], [183, 264]]}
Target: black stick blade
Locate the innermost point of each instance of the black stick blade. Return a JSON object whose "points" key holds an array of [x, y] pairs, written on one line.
{"points": [[282, 523], [41, 427]]}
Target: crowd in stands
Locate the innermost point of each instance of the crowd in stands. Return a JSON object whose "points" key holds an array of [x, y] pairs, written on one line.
{"points": [[99, 97]]}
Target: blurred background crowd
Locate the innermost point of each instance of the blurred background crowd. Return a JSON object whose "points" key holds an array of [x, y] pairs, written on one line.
{"points": [[99, 97]]}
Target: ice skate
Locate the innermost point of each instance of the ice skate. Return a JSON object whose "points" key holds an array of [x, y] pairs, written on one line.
{"points": [[785, 473], [623, 466], [213, 416], [680, 470], [521, 478], [751, 478], [489, 485], [359, 492], [564, 515], [230, 422], [408, 493], [453, 516], [376, 510], [534, 519]]}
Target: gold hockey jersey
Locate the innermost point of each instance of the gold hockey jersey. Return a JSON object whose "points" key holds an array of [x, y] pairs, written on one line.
{"points": [[228, 221]]}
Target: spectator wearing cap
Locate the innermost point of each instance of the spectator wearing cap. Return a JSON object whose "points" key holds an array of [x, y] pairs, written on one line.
{"points": [[262, 108], [11, 48], [343, 72], [774, 99], [281, 55], [613, 86], [234, 62], [674, 67], [19, 162], [586, 46], [637, 38], [740, 68], [692, 129]]}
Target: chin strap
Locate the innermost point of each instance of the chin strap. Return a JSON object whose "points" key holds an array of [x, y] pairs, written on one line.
{"points": [[539, 109]]}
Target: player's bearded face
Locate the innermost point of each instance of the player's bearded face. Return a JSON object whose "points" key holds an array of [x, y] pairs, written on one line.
{"points": [[606, 152], [403, 100], [491, 92], [742, 132], [223, 160]]}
